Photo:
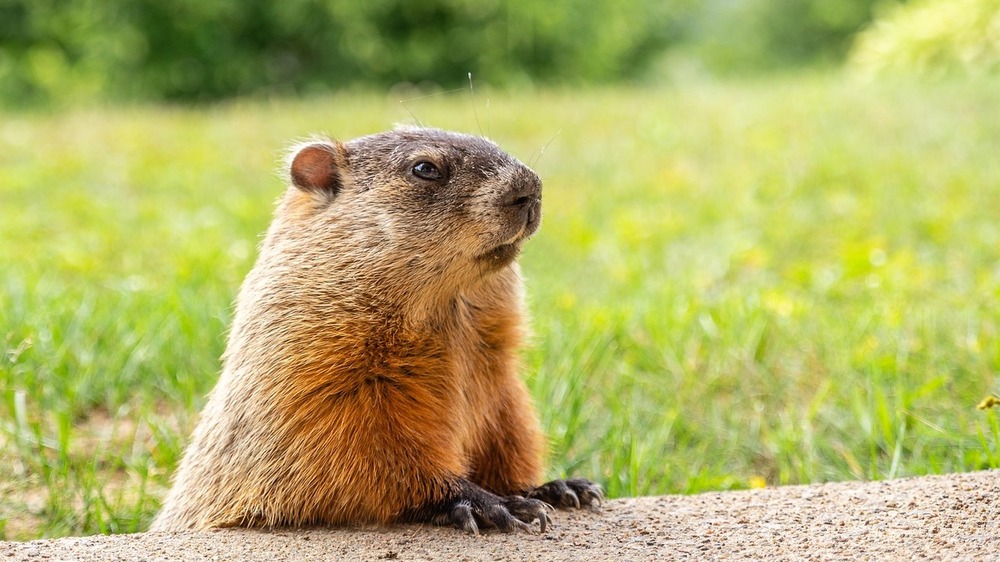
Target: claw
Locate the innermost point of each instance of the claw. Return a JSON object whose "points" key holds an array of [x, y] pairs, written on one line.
{"points": [[461, 516], [573, 498], [595, 496], [527, 510], [543, 521]]}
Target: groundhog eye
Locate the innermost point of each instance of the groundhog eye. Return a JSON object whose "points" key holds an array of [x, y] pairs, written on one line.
{"points": [[427, 171]]}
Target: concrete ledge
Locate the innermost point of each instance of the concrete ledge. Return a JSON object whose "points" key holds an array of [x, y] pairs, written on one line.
{"points": [[953, 517]]}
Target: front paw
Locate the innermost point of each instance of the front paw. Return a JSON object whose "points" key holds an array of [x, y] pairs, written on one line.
{"points": [[504, 514], [566, 494], [476, 509]]}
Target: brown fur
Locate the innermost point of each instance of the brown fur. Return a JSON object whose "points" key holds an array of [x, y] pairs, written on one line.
{"points": [[372, 362]]}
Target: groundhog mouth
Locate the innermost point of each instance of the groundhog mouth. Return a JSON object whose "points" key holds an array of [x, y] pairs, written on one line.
{"points": [[506, 252], [502, 254]]}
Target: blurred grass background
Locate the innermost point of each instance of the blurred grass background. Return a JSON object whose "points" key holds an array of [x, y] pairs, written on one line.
{"points": [[770, 252]]}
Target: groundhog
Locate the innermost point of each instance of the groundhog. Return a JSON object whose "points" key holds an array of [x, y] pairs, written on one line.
{"points": [[370, 374]]}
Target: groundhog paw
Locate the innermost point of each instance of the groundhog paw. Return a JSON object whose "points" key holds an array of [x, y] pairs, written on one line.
{"points": [[527, 510], [566, 494], [505, 514], [471, 508]]}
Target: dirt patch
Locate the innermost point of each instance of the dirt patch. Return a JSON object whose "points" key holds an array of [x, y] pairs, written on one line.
{"points": [[953, 517]]}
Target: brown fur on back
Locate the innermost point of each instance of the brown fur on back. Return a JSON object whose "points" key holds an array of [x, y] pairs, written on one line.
{"points": [[373, 355]]}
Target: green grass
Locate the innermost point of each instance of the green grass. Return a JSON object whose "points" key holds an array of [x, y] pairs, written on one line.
{"points": [[785, 282]]}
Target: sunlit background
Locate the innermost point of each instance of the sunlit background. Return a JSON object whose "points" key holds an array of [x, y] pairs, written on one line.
{"points": [[770, 252]]}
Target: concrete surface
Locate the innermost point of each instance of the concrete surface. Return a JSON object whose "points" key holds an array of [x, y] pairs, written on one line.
{"points": [[953, 517]]}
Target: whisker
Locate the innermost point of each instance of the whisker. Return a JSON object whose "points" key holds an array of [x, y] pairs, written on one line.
{"points": [[472, 91], [489, 121], [418, 98], [542, 152], [419, 124], [435, 94]]}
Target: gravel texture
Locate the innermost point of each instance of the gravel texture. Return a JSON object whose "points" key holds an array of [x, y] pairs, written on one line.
{"points": [[953, 517]]}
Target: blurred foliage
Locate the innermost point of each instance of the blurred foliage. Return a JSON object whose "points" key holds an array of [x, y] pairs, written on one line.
{"points": [[69, 51], [932, 37], [751, 36], [52, 50]]}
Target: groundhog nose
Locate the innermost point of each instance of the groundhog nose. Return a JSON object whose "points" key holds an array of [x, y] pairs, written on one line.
{"points": [[525, 190], [523, 200]]}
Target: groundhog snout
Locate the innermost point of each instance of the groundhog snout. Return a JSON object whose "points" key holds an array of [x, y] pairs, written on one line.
{"points": [[523, 200]]}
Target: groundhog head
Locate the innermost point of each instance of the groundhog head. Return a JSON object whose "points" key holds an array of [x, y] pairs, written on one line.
{"points": [[442, 203]]}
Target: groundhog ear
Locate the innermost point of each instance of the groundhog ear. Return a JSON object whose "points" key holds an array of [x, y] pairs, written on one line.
{"points": [[318, 168]]}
